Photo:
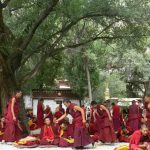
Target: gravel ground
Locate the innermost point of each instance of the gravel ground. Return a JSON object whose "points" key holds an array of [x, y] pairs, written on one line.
{"points": [[98, 146]]}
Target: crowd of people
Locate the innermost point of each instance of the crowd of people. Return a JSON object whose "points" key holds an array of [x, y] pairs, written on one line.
{"points": [[103, 124]]}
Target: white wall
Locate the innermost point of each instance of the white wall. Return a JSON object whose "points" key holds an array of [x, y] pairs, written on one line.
{"points": [[51, 103], [27, 101]]}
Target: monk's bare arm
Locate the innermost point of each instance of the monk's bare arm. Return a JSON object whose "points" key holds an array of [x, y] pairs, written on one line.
{"points": [[82, 112], [103, 107], [12, 109], [61, 118]]}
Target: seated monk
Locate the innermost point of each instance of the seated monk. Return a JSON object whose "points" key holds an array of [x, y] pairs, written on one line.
{"points": [[32, 124], [124, 134], [92, 131], [66, 135], [140, 139], [2, 120], [48, 134]]}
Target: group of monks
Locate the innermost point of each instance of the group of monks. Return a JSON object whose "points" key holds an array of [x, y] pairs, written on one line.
{"points": [[102, 124]]}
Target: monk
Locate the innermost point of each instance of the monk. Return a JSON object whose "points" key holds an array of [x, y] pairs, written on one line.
{"points": [[47, 133], [116, 115], [92, 131], [40, 113], [134, 116], [140, 139], [66, 135], [124, 134], [11, 118], [81, 136], [32, 123], [58, 112], [48, 113], [104, 123]]}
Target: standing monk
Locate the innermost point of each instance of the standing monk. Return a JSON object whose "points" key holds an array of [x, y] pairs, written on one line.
{"points": [[103, 122], [116, 116], [81, 136], [11, 118], [134, 116], [40, 113], [48, 113]]}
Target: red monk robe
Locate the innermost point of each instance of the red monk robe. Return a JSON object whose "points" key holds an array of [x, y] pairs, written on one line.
{"points": [[116, 117], [48, 134], [134, 116], [93, 131], [124, 134], [48, 113], [148, 118], [140, 140], [81, 136], [66, 135], [40, 113], [106, 130], [11, 119]]}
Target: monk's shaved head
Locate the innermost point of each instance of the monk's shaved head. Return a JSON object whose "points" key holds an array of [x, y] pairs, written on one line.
{"points": [[144, 126], [144, 129]]}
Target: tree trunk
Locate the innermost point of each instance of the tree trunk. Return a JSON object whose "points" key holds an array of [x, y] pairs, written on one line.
{"points": [[147, 89], [88, 78]]}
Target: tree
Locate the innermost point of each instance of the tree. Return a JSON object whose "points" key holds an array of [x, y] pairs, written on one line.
{"points": [[35, 30]]}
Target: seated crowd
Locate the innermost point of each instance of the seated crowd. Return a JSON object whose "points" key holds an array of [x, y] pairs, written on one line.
{"points": [[101, 124]]}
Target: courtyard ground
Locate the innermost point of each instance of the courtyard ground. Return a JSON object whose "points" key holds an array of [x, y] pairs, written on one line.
{"points": [[98, 146]]}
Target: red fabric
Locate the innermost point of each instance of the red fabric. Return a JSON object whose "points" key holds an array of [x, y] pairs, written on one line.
{"points": [[49, 114], [58, 114], [40, 115], [11, 132], [135, 139], [124, 136], [134, 117], [104, 126], [116, 117], [91, 115], [47, 133], [116, 110], [148, 118], [81, 136]]}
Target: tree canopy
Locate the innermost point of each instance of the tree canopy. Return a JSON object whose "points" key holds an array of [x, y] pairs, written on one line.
{"points": [[33, 34]]}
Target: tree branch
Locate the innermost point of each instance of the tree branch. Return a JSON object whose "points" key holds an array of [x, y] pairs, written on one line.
{"points": [[37, 23], [34, 71]]}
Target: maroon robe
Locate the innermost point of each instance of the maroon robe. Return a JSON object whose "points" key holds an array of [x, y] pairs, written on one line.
{"points": [[134, 117], [49, 114], [116, 117], [68, 133], [148, 118], [40, 115], [137, 138], [57, 115], [48, 133], [124, 136], [105, 126], [93, 132], [81, 135], [12, 133]]}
